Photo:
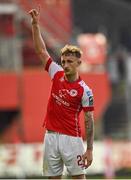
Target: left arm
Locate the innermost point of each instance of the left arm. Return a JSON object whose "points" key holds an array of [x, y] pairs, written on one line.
{"points": [[89, 128]]}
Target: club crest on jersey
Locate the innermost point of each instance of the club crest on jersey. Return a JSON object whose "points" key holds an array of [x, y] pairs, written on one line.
{"points": [[73, 92]]}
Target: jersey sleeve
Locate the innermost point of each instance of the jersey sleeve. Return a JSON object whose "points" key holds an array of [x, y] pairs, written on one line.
{"points": [[52, 68], [87, 100]]}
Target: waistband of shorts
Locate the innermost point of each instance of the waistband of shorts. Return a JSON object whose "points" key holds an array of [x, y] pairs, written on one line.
{"points": [[53, 132]]}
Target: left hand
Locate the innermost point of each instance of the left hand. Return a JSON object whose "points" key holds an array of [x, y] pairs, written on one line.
{"points": [[87, 158]]}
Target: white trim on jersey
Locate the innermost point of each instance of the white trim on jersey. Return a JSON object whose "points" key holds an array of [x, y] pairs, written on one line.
{"points": [[53, 69], [87, 93], [76, 120]]}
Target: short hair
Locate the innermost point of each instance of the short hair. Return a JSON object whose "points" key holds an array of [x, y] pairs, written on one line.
{"points": [[71, 50]]}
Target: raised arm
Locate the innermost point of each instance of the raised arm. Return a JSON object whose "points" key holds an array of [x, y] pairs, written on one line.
{"points": [[89, 128], [39, 43]]}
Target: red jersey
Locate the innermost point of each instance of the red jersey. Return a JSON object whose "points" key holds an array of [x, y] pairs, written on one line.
{"points": [[66, 101]]}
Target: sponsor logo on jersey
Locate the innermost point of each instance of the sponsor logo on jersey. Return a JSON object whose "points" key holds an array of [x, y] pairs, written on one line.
{"points": [[89, 93], [91, 101], [63, 93], [59, 100], [73, 92]]}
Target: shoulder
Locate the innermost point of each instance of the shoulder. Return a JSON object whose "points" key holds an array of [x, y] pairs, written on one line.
{"points": [[52, 64], [87, 91], [53, 68], [84, 85], [87, 97]]}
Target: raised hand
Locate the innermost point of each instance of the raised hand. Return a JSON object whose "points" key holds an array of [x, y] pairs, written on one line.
{"points": [[35, 15]]}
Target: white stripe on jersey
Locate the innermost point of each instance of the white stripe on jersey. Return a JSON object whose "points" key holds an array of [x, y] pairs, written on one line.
{"points": [[86, 94], [53, 69], [76, 120]]}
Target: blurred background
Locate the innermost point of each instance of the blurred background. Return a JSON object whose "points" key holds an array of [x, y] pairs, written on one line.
{"points": [[102, 29]]}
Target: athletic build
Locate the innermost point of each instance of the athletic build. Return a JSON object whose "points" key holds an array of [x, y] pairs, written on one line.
{"points": [[63, 144]]}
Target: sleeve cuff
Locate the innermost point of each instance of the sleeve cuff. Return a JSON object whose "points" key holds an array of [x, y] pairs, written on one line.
{"points": [[89, 108], [48, 64]]}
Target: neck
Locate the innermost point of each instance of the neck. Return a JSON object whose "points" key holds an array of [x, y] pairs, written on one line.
{"points": [[72, 78]]}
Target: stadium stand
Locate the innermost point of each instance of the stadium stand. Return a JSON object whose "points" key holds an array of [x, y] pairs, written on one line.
{"points": [[58, 24]]}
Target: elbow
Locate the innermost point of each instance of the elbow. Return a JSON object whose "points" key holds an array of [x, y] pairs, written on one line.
{"points": [[39, 50]]}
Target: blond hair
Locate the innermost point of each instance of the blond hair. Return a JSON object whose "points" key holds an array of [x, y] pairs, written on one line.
{"points": [[71, 49]]}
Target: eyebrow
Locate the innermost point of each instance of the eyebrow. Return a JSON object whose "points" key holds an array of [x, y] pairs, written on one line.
{"points": [[66, 60]]}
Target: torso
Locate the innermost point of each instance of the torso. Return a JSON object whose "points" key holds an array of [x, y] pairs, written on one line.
{"points": [[65, 105]]}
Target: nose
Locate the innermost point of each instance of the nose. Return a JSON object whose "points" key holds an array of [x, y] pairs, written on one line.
{"points": [[66, 65]]}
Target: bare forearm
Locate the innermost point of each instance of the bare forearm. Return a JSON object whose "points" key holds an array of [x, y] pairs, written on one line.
{"points": [[37, 38], [89, 128], [39, 44]]}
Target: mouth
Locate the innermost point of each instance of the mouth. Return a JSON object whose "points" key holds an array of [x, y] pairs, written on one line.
{"points": [[67, 71]]}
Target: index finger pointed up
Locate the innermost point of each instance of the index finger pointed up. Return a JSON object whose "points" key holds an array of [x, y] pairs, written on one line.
{"points": [[39, 7]]}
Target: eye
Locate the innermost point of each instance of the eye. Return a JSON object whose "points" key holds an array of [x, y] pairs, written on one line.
{"points": [[63, 62]]}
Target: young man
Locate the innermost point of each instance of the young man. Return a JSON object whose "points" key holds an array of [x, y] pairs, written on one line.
{"points": [[63, 144]]}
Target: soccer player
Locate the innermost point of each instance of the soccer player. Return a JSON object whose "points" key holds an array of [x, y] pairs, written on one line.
{"points": [[63, 144]]}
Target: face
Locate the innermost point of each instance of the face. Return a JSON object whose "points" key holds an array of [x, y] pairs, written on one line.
{"points": [[70, 64]]}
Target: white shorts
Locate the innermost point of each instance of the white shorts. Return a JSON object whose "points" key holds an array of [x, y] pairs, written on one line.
{"points": [[60, 150]]}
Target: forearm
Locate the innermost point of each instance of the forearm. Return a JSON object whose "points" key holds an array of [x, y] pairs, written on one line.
{"points": [[37, 38], [39, 44], [89, 129]]}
